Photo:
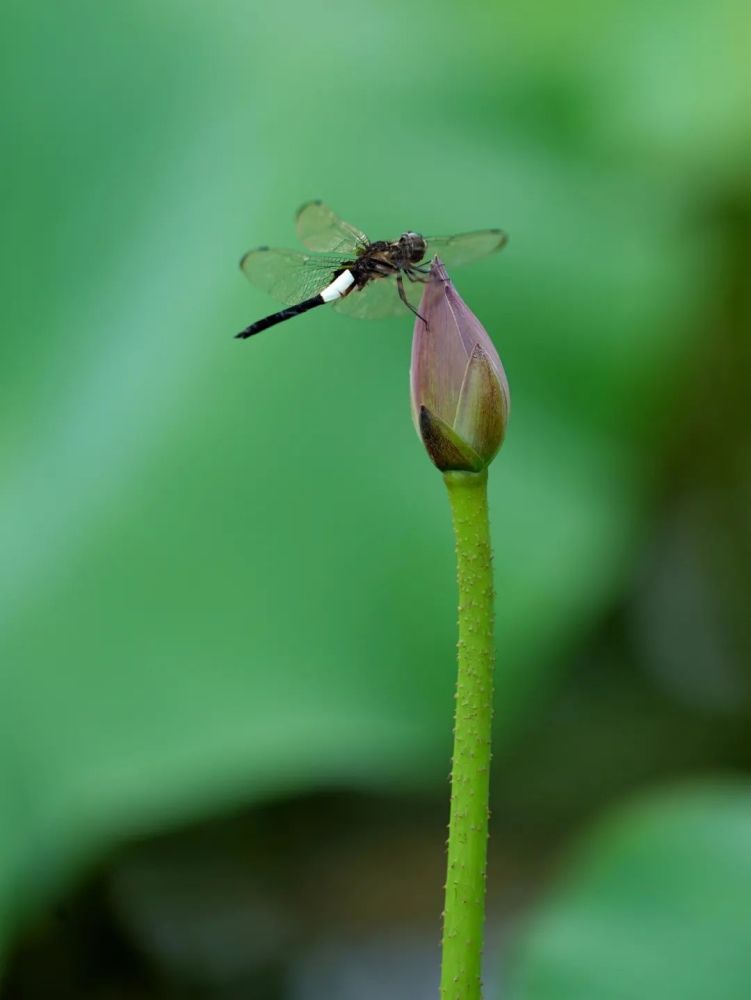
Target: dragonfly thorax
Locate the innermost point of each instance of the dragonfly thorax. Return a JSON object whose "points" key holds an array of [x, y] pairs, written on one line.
{"points": [[413, 246]]}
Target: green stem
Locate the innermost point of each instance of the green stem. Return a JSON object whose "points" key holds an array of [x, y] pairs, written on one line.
{"points": [[464, 910]]}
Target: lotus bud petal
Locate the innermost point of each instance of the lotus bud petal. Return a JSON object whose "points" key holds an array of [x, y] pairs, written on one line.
{"points": [[460, 395]]}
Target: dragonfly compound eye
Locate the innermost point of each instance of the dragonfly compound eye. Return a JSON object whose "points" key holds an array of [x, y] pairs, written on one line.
{"points": [[415, 246]]}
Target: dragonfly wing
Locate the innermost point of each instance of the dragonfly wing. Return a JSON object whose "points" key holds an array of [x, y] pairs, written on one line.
{"points": [[464, 248], [289, 276], [320, 228], [380, 299]]}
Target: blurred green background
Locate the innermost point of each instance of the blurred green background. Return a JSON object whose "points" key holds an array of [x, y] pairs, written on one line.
{"points": [[227, 617]]}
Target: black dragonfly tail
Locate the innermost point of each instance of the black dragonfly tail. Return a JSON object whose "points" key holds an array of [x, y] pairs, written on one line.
{"points": [[279, 317]]}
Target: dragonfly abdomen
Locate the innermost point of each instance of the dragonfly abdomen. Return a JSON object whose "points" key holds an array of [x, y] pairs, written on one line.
{"points": [[335, 290]]}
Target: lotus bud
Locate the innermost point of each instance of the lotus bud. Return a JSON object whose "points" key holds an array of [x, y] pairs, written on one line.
{"points": [[460, 395]]}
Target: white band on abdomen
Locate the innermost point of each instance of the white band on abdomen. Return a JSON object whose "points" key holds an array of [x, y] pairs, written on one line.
{"points": [[337, 288]]}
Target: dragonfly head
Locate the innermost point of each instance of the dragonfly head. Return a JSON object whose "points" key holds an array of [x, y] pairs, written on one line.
{"points": [[414, 246]]}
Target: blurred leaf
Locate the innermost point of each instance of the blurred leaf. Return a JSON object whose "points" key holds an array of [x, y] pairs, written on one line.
{"points": [[657, 904], [213, 587]]}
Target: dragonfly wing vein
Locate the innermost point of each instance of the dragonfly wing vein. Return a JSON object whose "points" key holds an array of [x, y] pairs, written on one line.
{"points": [[320, 228], [464, 248], [380, 299], [287, 275]]}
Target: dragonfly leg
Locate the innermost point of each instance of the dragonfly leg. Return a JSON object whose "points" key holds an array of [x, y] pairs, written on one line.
{"points": [[405, 300]]}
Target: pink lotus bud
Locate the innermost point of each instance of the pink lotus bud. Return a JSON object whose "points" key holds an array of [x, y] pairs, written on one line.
{"points": [[460, 396]]}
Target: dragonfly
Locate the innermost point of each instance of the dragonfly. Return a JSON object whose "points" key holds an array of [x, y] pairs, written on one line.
{"points": [[364, 279]]}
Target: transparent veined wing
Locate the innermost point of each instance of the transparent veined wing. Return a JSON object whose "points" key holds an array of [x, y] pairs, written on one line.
{"points": [[465, 247], [289, 276], [380, 299], [320, 228]]}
